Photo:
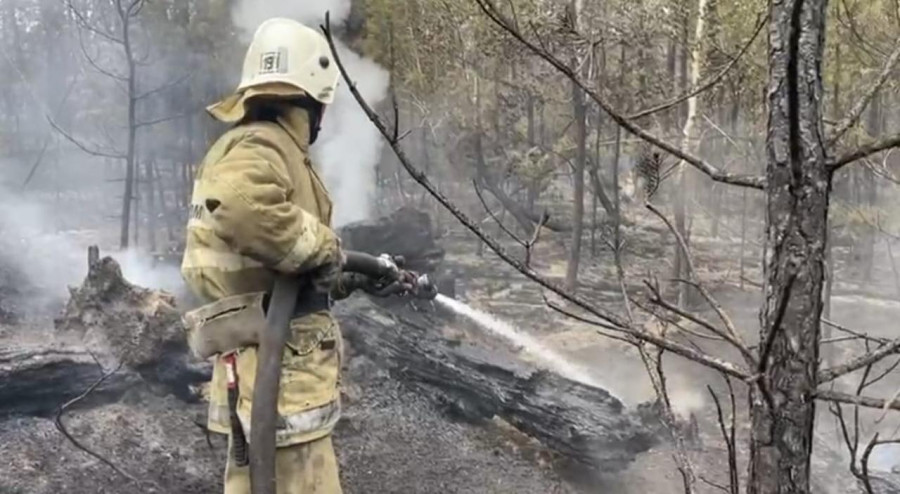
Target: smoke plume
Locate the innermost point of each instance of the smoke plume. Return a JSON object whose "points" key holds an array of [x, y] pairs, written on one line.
{"points": [[349, 147], [40, 260]]}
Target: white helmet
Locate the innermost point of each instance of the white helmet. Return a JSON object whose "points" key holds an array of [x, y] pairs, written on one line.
{"points": [[283, 50]]}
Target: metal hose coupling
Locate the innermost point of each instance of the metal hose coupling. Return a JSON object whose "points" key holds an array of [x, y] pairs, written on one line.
{"points": [[424, 288]]}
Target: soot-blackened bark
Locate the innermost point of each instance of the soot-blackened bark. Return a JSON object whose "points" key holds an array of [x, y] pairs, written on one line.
{"points": [[588, 427], [783, 408]]}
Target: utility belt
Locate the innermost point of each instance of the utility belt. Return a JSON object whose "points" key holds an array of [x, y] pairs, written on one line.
{"points": [[235, 322], [225, 326], [308, 302]]}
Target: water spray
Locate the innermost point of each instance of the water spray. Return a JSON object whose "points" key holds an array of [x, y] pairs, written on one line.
{"points": [[400, 282], [547, 357]]}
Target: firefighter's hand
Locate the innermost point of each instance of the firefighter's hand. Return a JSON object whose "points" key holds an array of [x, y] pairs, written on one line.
{"points": [[401, 283], [325, 277]]}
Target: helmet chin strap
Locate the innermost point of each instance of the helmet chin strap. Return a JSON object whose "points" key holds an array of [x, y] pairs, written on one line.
{"points": [[315, 111]]}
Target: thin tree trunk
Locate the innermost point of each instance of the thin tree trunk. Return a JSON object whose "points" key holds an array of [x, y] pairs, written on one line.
{"points": [[598, 194], [163, 206], [743, 235], [829, 252], [530, 119], [152, 213], [689, 142], [136, 212], [870, 182], [580, 110], [132, 132], [617, 217], [782, 407]]}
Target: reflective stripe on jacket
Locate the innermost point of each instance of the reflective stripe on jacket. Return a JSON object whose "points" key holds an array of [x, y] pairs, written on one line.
{"points": [[259, 207]]}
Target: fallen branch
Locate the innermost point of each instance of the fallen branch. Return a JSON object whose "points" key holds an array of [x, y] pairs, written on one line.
{"points": [[62, 428]]}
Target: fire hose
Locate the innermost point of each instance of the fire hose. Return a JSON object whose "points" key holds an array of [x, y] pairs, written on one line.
{"points": [[388, 278]]}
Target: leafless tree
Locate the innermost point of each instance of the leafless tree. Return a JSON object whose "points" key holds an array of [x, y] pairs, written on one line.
{"points": [[114, 26]]}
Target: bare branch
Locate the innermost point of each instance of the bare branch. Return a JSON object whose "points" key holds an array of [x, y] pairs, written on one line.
{"points": [[135, 8], [867, 359], [96, 65], [755, 182], [80, 145], [857, 334], [656, 299], [535, 237], [884, 144], [62, 428], [731, 334], [864, 401], [614, 320], [40, 157], [873, 443], [884, 374], [729, 436], [852, 444], [494, 216], [164, 87], [591, 322], [713, 484], [160, 120], [711, 83], [84, 24], [850, 120], [654, 369]]}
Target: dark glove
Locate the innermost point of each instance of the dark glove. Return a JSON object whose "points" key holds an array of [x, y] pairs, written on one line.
{"points": [[348, 283], [325, 277]]}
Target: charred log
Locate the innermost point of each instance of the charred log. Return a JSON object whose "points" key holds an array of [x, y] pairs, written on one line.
{"points": [[108, 323], [476, 381], [584, 424], [35, 381]]}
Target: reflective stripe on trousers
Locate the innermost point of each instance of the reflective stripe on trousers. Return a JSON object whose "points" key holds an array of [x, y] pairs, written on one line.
{"points": [[296, 425]]}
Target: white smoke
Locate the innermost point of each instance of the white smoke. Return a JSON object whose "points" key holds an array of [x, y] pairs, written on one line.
{"points": [[349, 146], [42, 260]]}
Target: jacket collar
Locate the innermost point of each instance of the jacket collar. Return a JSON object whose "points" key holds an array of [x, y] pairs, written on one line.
{"points": [[295, 121]]}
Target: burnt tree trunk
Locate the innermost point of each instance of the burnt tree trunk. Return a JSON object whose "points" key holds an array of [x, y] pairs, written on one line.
{"points": [[782, 407]]}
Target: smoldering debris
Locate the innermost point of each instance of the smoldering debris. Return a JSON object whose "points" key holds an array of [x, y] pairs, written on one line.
{"points": [[130, 323]]}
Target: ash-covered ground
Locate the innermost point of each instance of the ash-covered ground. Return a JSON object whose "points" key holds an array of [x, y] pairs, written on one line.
{"points": [[394, 439], [391, 440]]}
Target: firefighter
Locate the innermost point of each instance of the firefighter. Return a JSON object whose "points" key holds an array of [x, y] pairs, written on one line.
{"points": [[259, 208]]}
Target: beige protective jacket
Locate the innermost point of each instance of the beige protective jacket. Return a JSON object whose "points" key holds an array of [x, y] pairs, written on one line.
{"points": [[259, 207]]}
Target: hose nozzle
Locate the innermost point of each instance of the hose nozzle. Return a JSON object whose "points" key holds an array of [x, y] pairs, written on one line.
{"points": [[425, 289]]}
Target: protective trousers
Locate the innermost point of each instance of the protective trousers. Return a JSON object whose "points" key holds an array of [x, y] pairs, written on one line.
{"points": [[307, 468]]}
